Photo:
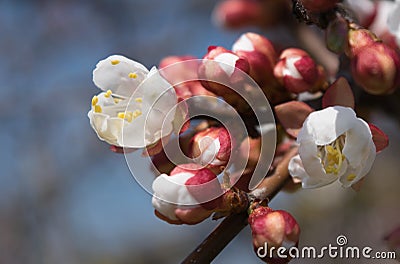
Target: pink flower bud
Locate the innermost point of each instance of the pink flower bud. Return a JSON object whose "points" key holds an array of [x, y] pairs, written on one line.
{"points": [[189, 195], [358, 39], [237, 13], [221, 66], [376, 68], [177, 70], [319, 5], [242, 13], [212, 147], [298, 72], [261, 56], [273, 229]]}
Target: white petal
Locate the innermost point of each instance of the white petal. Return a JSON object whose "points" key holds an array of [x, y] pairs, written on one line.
{"points": [[227, 62], [158, 93], [326, 125], [363, 168], [106, 129], [209, 149], [298, 173], [133, 133], [243, 44], [357, 144], [290, 69], [166, 209], [313, 167], [172, 189], [113, 73]]}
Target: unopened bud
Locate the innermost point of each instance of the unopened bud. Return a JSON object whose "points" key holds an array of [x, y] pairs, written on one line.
{"points": [[189, 195], [261, 56], [177, 70], [243, 13], [359, 39], [298, 72], [212, 147], [273, 229], [376, 68], [222, 69]]}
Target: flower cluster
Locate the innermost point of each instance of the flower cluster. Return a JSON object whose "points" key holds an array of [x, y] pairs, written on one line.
{"points": [[319, 137]]}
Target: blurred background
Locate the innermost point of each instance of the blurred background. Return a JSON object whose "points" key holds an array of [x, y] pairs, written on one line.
{"points": [[65, 198]]}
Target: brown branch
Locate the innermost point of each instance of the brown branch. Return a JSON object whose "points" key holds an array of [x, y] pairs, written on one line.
{"points": [[232, 225]]}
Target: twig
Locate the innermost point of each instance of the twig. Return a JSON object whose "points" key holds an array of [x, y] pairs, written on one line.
{"points": [[232, 225]]}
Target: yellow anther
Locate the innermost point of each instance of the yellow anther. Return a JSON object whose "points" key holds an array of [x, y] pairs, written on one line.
{"points": [[95, 100], [108, 94], [115, 62], [136, 113], [332, 157], [139, 99], [97, 109], [351, 177], [117, 100], [128, 116], [132, 75]]}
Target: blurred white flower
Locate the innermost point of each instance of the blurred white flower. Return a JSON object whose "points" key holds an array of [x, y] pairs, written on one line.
{"points": [[136, 108], [334, 144], [393, 21]]}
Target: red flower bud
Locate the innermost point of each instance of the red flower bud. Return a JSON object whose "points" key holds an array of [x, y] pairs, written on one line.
{"points": [[319, 5], [261, 56], [298, 72], [241, 13], [221, 70], [358, 39], [273, 229], [212, 147], [237, 13], [376, 68], [189, 195], [177, 70]]}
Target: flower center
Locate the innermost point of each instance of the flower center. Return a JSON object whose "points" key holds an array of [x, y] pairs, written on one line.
{"points": [[331, 155]]}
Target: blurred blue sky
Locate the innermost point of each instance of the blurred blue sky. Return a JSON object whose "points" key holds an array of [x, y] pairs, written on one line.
{"points": [[64, 197]]}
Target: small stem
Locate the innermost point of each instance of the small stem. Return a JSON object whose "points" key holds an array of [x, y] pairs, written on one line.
{"points": [[233, 224]]}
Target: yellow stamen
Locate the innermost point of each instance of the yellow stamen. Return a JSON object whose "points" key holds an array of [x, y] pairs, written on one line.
{"points": [[351, 177], [132, 75], [332, 157], [115, 62], [136, 113], [95, 100], [128, 116], [139, 100], [117, 100], [97, 109], [121, 115], [108, 94]]}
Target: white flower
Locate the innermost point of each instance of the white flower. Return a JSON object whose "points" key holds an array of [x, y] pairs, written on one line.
{"points": [[136, 108], [334, 144], [170, 193], [393, 21]]}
